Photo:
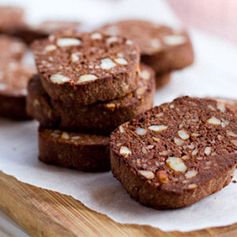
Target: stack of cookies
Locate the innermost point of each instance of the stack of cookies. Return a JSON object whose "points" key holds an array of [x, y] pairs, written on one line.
{"points": [[163, 48], [15, 71], [87, 85]]}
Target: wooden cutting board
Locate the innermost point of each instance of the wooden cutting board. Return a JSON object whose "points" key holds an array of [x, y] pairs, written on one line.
{"points": [[46, 213]]}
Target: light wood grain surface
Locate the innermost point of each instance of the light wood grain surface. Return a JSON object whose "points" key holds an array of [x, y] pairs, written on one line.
{"points": [[46, 213]]}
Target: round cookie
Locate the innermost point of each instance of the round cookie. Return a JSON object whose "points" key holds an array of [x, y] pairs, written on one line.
{"points": [[29, 33], [11, 49], [11, 19], [101, 117], [74, 150], [162, 80], [162, 48], [176, 154], [86, 68], [13, 83], [38, 104]]}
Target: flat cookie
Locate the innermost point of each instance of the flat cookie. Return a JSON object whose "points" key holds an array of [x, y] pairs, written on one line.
{"points": [[176, 154], [11, 18], [11, 49], [38, 104], [13, 82], [162, 80], [101, 117], [87, 68], [162, 48], [74, 150]]}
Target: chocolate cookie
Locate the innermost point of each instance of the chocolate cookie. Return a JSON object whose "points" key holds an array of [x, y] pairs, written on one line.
{"points": [[38, 104], [163, 48], [11, 49], [226, 103], [162, 80], [74, 150], [13, 83], [29, 33], [101, 117], [176, 154], [86, 68], [11, 19]]}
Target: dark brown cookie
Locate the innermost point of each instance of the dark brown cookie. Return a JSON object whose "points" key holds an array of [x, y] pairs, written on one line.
{"points": [[11, 49], [101, 117], [29, 33], [162, 80], [176, 154], [74, 150], [13, 83], [38, 104], [86, 68], [11, 19], [163, 48]]}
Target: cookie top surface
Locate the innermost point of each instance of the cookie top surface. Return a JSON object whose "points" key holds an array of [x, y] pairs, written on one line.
{"points": [[152, 38], [14, 78], [52, 26], [11, 17], [179, 145], [11, 48], [74, 138], [75, 58]]}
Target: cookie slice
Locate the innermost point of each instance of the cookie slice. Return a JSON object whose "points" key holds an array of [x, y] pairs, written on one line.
{"points": [[11, 19], [13, 82], [82, 69], [11, 49], [74, 150], [29, 33], [101, 117], [162, 80], [38, 104], [224, 103], [176, 154], [163, 48]]}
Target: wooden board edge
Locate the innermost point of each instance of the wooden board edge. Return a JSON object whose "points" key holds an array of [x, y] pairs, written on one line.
{"points": [[46, 213]]}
